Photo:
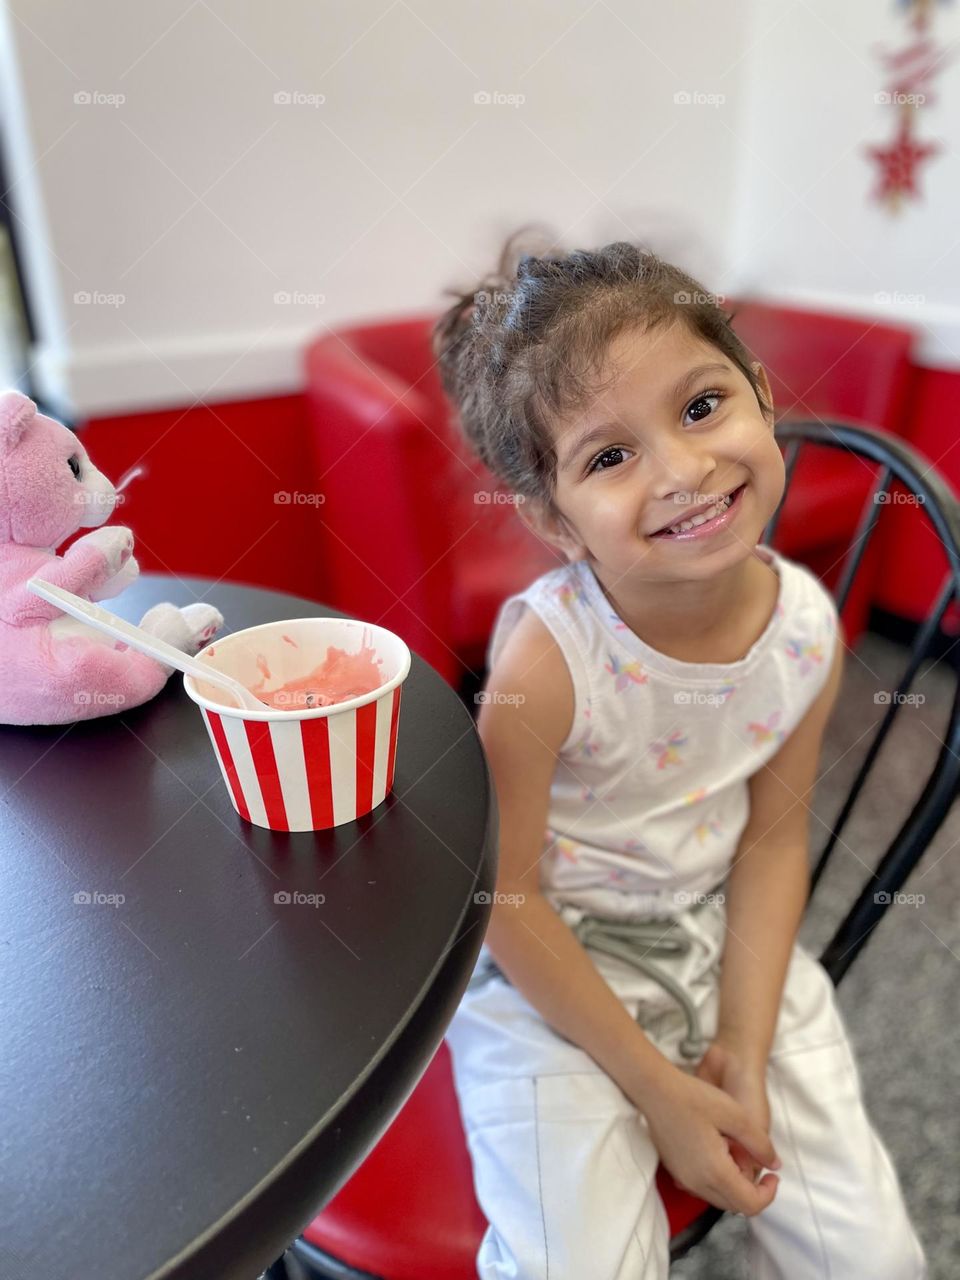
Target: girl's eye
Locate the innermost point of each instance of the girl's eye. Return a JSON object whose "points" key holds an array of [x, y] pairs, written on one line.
{"points": [[702, 399], [615, 451]]}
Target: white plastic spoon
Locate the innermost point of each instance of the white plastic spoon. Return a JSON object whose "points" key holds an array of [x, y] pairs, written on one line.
{"points": [[120, 629]]}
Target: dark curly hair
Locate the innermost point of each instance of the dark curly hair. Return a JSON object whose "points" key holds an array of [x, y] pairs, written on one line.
{"points": [[530, 339]]}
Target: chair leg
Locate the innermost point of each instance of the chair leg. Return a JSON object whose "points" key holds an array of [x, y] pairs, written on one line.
{"points": [[311, 1263]]}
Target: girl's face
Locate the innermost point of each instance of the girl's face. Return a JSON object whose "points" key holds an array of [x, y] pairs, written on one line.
{"points": [[678, 428]]}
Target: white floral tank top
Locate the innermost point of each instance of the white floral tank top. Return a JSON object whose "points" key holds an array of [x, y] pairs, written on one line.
{"points": [[649, 798]]}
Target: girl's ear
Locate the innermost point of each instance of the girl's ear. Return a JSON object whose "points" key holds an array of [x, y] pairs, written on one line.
{"points": [[551, 527], [765, 391]]}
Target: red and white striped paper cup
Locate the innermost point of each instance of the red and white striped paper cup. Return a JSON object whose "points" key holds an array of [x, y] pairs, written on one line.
{"points": [[312, 768]]}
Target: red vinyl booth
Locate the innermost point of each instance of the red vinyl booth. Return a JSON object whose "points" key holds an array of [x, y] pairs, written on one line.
{"points": [[416, 538], [419, 538]]}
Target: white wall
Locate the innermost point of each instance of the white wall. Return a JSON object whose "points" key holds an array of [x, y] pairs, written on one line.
{"points": [[397, 186], [199, 198], [807, 227]]}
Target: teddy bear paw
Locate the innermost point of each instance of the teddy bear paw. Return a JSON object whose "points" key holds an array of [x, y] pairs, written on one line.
{"points": [[123, 578], [115, 543], [166, 622], [203, 622]]}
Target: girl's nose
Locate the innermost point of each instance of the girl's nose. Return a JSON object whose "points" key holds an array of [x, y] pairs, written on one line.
{"points": [[682, 470]]}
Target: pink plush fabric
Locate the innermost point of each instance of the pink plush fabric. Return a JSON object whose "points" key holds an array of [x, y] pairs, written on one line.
{"points": [[56, 670]]}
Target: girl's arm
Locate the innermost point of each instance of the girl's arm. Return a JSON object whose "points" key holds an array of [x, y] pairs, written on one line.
{"points": [[768, 886], [522, 724]]}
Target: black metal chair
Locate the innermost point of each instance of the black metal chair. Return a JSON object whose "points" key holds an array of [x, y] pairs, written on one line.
{"points": [[897, 463]]}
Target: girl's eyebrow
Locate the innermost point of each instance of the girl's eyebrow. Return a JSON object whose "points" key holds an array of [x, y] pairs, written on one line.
{"points": [[673, 394]]}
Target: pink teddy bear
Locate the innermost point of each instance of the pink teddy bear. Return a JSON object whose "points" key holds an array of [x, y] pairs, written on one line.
{"points": [[55, 669]]}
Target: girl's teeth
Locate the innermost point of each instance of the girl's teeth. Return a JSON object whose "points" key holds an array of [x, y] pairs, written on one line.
{"points": [[702, 518]]}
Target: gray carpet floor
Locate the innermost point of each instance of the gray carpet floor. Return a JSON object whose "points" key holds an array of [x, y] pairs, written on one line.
{"points": [[900, 998]]}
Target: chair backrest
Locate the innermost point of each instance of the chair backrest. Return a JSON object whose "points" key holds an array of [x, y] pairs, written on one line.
{"points": [[903, 475]]}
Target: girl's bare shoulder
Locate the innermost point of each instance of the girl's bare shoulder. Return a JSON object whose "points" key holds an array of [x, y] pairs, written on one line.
{"points": [[531, 676]]}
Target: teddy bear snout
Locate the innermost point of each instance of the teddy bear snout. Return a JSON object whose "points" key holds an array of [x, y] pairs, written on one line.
{"points": [[98, 498]]}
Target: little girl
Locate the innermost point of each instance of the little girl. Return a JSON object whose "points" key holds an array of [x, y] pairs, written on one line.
{"points": [[653, 718]]}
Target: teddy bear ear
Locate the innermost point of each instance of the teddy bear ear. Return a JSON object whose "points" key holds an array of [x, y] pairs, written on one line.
{"points": [[17, 411]]}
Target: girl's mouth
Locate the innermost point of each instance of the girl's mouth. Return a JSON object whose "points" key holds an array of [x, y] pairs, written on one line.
{"points": [[724, 511]]}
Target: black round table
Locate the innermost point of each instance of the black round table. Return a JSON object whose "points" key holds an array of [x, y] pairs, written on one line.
{"points": [[188, 1068]]}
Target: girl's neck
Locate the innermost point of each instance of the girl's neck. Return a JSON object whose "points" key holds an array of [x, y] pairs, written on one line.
{"points": [[714, 620]]}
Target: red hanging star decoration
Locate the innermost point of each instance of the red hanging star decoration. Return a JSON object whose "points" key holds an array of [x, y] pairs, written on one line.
{"points": [[910, 71], [898, 165]]}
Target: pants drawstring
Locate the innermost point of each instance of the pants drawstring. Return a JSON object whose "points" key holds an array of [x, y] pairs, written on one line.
{"points": [[621, 938]]}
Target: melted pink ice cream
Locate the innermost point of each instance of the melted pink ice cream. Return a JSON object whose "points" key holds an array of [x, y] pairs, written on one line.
{"points": [[340, 676]]}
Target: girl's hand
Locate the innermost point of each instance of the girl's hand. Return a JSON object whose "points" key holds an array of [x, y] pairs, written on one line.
{"points": [[723, 1066], [692, 1122]]}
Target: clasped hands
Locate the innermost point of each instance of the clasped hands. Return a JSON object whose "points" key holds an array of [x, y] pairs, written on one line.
{"points": [[711, 1129]]}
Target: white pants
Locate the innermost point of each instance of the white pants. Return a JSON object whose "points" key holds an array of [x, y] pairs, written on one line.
{"points": [[564, 1165]]}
